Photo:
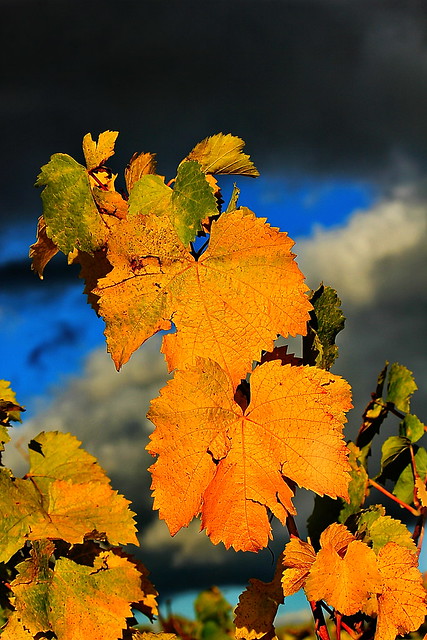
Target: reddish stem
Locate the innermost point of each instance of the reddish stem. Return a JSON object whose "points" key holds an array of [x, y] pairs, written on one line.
{"points": [[383, 490]]}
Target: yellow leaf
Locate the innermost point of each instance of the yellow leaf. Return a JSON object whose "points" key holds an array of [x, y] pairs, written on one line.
{"points": [[345, 583], [223, 154], [402, 604], [140, 164], [421, 491], [227, 305], [257, 607], [297, 561], [97, 153], [230, 464]]}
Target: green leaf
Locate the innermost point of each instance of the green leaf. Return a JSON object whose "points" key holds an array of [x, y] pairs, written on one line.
{"points": [[97, 153], [362, 522], [358, 487], [411, 427], [385, 529], [150, 195], [193, 200], [232, 205], [404, 487], [72, 219], [392, 448], [327, 320], [401, 385], [223, 154]]}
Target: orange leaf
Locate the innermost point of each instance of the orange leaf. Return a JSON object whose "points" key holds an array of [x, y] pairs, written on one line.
{"points": [[231, 465], [336, 575], [402, 604], [227, 305], [298, 558], [43, 250], [257, 607]]}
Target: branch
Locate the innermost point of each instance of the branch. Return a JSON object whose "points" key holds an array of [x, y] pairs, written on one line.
{"points": [[402, 504]]}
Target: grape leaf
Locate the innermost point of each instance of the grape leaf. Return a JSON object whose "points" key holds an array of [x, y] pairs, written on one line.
{"points": [[326, 321], [187, 204], [412, 428], [404, 487], [400, 386], [297, 561], [223, 154], [71, 217], [140, 165], [231, 464], [192, 201], [43, 250], [402, 604], [227, 305], [335, 575], [73, 512], [257, 607], [97, 153], [58, 600], [384, 529], [66, 495], [57, 455]]}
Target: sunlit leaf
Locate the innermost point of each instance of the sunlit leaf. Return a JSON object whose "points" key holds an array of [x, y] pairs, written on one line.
{"points": [[223, 154], [231, 464], [400, 387], [97, 153]]}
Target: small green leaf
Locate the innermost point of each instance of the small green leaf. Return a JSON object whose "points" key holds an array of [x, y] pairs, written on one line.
{"points": [[386, 529], [327, 320], [411, 427], [404, 487], [193, 200], [363, 521], [72, 219], [401, 385], [358, 487], [232, 205], [392, 448], [150, 195]]}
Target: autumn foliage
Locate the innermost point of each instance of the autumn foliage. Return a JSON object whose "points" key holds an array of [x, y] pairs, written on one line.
{"points": [[238, 428]]}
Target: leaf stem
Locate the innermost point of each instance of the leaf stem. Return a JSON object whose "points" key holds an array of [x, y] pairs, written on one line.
{"points": [[383, 490]]}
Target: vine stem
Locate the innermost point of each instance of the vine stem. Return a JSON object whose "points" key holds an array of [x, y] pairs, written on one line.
{"points": [[383, 490]]}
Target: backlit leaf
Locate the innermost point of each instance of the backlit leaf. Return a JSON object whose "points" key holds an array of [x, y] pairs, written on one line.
{"points": [[227, 305], [76, 601], [140, 165], [297, 561], [385, 529], [257, 607], [223, 154], [192, 201], [97, 153], [56, 455], [400, 387], [64, 496], [412, 428], [231, 464], [404, 487], [336, 575], [71, 217], [43, 250], [150, 196], [73, 511], [402, 604]]}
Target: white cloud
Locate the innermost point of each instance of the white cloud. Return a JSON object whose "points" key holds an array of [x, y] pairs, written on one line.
{"points": [[350, 257]]}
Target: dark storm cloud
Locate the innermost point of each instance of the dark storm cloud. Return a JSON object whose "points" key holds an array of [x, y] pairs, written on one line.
{"points": [[310, 85]]}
